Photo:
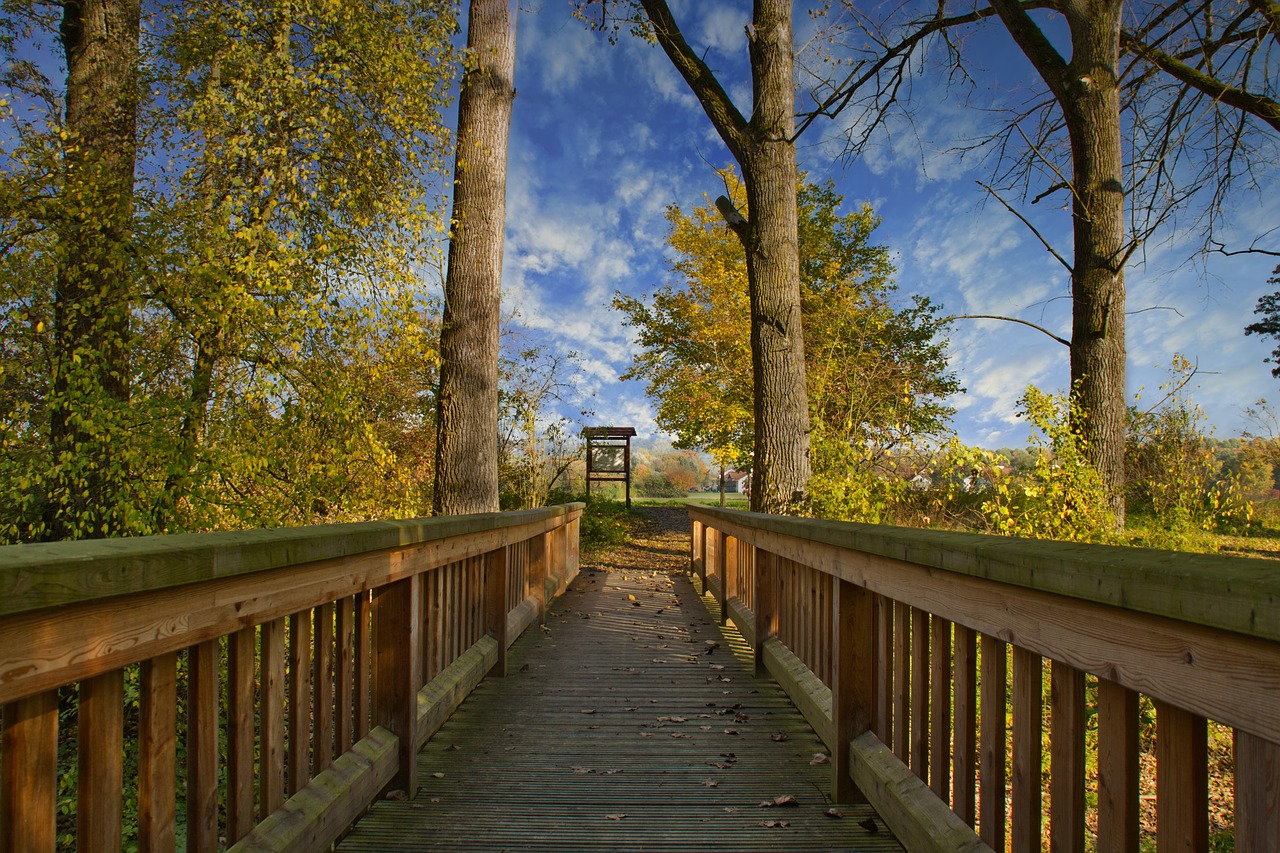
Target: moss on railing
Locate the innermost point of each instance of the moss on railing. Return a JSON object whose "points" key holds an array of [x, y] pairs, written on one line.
{"points": [[1240, 594], [58, 573]]}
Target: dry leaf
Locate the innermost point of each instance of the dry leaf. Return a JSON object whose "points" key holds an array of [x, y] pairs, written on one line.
{"points": [[780, 737], [711, 783], [437, 775], [869, 825], [399, 795], [820, 758], [775, 824], [614, 816], [588, 711], [836, 813], [581, 770], [453, 747]]}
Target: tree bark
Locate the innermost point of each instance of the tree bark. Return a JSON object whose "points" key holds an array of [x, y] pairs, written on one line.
{"points": [[1087, 90], [765, 150], [93, 287], [466, 453]]}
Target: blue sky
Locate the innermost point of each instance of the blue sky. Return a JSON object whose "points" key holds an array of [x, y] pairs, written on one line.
{"points": [[605, 137]]}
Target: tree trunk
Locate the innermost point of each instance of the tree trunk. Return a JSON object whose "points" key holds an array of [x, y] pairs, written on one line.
{"points": [[92, 290], [1087, 90], [466, 452], [765, 150], [1097, 212]]}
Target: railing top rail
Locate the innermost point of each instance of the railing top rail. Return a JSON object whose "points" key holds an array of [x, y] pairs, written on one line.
{"points": [[41, 575], [1240, 594]]}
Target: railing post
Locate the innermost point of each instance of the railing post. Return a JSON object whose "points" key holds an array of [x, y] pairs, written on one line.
{"points": [[722, 554], [573, 556], [396, 662], [702, 566], [496, 564], [728, 569], [695, 546], [852, 680], [100, 728], [766, 600], [538, 574], [29, 776]]}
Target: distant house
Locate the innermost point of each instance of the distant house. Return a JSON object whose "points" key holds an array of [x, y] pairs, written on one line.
{"points": [[921, 482], [737, 482]]}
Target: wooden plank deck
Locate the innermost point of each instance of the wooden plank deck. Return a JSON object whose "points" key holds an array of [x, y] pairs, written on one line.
{"points": [[622, 728]]}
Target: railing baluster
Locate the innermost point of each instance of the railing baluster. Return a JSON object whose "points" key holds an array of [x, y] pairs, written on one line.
{"points": [[496, 567], [343, 692], [202, 747], [538, 574], [28, 775], [902, 681], [1028, 703], [240, 775], [158, 754], [1182, 785], [322, 712], [100, 744], [396, 666], [882, 717], [920, 693], [364, 664], [940, 708], [271, 718], [852, 680], [1066, 759], [1257, 791], [995, 674], [965, 758], [766, 599], [1118, 816], [299, 700]]}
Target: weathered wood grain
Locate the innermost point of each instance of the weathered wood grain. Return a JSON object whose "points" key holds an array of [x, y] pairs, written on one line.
{"points": [[1028, 702], [28, 775], [202, 747], [1118, 814], [965, 728], [300, 683], [995, 672], [313, 818], [158, 754], [1066, 759], [1237, 594], [1182, 785], [240, 735], [100, 741], [538, 760]]}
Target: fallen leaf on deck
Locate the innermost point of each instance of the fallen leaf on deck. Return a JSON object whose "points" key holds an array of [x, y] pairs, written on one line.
{"points": [[780, 737], [730, 809], [869, 825], [775, 824], [581, 770], [711, 783], [453, 747], [679, 734], [783, 801], [588, 711], [836, 813], [820, 758], [614, 816], [398, 795], [437, 775], [740, 717]]}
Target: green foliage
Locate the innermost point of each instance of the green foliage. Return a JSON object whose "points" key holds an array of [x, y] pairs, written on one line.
{"points": [[280, 345], [877, 374], [1175, 482], [1268, 308], [657, 485], [605, 523], [1062, 497], [535, 447]]}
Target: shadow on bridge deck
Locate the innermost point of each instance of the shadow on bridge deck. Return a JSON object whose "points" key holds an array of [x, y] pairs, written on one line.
{"points": [[631, 722]]}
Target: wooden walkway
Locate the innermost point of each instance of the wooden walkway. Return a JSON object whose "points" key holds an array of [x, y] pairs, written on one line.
{"points": [[630, 723]]}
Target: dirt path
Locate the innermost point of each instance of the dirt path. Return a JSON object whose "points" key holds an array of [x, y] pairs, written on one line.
{"points": [[661, 546]]}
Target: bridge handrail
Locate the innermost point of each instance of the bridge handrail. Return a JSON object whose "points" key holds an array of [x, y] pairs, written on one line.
{"points": [[875, 629], [344, 648]]}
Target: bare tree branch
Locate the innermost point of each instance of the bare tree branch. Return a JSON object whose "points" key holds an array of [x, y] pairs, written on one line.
{"points": [[944, 320]]}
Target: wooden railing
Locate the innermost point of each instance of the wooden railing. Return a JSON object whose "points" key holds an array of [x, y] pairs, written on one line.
{"points": [[896, 644], [343, 647]]}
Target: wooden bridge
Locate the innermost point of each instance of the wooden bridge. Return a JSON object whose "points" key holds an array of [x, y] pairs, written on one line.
{"points": [[296, 689]]}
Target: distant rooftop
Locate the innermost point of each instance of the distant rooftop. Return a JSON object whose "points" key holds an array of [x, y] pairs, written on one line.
{"points": [[609, 432]]}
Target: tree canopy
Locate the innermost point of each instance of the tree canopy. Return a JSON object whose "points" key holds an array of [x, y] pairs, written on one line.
{"points": [[877, 371]]}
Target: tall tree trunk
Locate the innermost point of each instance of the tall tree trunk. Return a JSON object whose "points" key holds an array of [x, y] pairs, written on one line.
{"points": [[1087, 90], [93, 285], [765, 150], [466, 451], [782, 469]]}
